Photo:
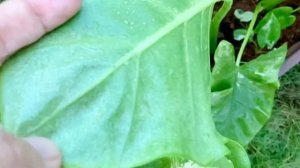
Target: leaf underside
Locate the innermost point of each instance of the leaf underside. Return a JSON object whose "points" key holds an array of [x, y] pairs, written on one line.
{"points": [[122, 84]]}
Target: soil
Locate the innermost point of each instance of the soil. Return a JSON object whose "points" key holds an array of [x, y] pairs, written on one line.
{"points": [[291, 35]]}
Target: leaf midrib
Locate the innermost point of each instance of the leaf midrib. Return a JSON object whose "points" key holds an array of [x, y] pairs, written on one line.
{"points": [[136, 51]]}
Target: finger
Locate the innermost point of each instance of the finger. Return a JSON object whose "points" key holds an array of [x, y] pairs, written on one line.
{"points": [[49, 152], [17, 153], [24, 21]]}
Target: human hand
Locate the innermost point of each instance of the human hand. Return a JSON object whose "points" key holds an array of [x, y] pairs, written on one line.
{"points": [[33, 152], [22, 22]]}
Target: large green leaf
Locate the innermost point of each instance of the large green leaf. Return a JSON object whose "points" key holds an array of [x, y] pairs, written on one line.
{"points": [[242, 108], [124, 83]]}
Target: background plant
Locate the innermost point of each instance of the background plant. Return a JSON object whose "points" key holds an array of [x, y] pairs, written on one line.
{"points": [[243, 93], [268, 30], [277, 144]]}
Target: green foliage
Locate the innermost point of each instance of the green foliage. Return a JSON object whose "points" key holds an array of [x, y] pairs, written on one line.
{"points": [[269, 28], [224, 60], [242, 97], [217, 19], [269, 4], [237, 155], [285, 16], [268, 31], [134, 90], [161, 163], [112, 91]]}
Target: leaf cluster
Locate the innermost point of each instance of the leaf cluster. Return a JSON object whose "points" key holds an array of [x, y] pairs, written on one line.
{"points": [[268, 30], [243, 95]]}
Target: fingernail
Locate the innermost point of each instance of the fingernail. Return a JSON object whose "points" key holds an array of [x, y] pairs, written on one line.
{"points": [[48, 151]]}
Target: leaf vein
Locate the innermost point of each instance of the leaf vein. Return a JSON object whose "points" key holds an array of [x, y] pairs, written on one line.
{"points": [[136, 51]]}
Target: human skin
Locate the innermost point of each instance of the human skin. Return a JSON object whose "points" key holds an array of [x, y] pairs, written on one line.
{"points": [[23, 22]]}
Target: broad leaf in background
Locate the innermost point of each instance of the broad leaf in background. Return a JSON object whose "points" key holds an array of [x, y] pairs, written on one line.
{"points": [[242, 108], [123, 84], [268, 31]]}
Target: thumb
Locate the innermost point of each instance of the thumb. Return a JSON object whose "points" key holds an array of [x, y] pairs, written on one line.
{"points": [[22, 22], [29, 153], [47, 150]]}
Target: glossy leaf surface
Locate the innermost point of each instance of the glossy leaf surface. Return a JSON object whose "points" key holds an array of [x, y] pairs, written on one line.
{"points": [[122, 84], [242, 108], [268, 31]]}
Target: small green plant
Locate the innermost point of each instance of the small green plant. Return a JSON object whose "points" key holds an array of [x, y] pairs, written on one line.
{"points": [[268, 30], [242, 94]]}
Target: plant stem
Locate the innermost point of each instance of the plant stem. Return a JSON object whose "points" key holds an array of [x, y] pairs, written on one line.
{"points": [[258, 9], [296, 10], [219, 16]]}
